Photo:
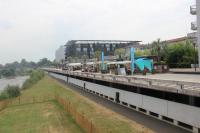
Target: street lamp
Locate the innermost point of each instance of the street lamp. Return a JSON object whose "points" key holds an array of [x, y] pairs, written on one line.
{"points": [[195, 66]]}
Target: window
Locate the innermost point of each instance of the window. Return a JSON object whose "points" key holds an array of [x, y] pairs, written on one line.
{"points": [[78, 49], [84, 49], [107, 45]]}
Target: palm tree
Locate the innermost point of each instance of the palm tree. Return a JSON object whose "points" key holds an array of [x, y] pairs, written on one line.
{"points": [[156, 48]]}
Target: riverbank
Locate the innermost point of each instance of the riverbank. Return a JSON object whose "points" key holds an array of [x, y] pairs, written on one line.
{"points": [[12, 81], [103, 118]]}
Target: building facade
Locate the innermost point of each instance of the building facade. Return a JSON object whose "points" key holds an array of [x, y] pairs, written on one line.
{"points": [[195, 10], [60, 54], [78, 48]]}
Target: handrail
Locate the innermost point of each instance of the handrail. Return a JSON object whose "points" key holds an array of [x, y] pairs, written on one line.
{"points": [[179, 86]]}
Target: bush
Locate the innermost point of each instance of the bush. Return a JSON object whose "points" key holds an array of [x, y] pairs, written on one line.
{"points": [[3, 95], [160, 63], [13, 91], [35, 76], [10, 92]]}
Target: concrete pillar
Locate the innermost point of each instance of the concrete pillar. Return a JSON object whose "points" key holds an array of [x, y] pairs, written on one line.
{"points": [[160, 117], [175, 122], [198, 27], [195, 130]]}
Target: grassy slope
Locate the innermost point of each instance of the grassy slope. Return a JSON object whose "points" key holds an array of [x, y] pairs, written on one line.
{"points": [[102, 117], [37, 117]]}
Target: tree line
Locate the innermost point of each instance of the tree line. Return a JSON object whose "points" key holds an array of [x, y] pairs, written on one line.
{"points": [[23, 68], [175, 55]]}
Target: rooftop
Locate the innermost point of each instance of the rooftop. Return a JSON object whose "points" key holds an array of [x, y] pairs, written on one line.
{"points": [[102, 42]]}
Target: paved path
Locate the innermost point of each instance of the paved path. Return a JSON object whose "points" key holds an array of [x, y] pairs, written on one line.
{"points": [[152, 123], [185, 70], [175, 77]]}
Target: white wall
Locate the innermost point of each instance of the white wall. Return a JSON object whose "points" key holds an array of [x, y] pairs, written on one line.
{"points": [[60, 54]]}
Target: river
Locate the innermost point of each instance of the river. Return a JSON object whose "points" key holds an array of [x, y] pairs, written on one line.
{"points": [[14, 81]]}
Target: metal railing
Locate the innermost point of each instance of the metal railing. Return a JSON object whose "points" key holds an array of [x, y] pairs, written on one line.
{"points": [[193, 26], [189, 88], [193, 10]]}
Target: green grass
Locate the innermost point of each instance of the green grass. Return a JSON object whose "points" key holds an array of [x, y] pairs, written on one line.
{"points": [[37, 118], [103, 118], [106, 121]]}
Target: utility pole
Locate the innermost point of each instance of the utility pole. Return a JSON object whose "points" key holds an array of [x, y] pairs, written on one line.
{"points": [[195, 65]]}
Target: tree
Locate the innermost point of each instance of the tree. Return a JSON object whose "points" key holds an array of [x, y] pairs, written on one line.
{"points": [[70, 60], [44, 62], [23, 63], [13, 91], [144, 52], [8, 72], [179, 54], [97, 55], [156, 49], [120, 52], [84, 57]]}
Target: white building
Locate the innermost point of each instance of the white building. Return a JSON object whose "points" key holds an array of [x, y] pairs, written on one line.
{"points": [[195, 10], [60, 54]]}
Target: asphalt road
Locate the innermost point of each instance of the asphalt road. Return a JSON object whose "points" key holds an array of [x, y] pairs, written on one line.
{"points": [[152, 123]]}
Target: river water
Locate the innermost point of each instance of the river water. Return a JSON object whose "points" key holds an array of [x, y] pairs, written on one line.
{"points": [[14, 81]]}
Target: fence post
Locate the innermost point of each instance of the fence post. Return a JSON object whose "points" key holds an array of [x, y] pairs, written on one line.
{"points": [[91, 126], [33, 99], [19, 99]]}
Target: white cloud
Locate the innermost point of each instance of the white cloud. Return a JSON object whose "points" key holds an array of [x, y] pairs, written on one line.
{"points": [[33, 29]]}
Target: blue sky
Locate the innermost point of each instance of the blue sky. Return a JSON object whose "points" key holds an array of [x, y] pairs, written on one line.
{"points": [[34, 29]]}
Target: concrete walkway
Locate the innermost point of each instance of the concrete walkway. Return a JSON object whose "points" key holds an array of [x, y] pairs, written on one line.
{"points": [[175, 77], [185, 70]]}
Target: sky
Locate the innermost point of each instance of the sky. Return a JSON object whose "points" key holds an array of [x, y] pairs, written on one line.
{"points": [[33, 29]]}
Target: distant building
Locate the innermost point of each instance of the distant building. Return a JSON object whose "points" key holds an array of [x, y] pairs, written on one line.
{"points": [[78, 48], [60, 54]]}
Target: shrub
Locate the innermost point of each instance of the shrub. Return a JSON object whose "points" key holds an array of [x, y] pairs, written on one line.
{"points": [[13, 91], [35, 76], [3, 95], [10, 92]]}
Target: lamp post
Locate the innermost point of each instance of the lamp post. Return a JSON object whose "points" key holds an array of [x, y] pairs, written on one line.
{"points": [[195, 66]]}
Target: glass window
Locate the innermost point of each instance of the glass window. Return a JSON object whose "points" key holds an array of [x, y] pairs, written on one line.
{"points": [[84, 49], [78, 49]]}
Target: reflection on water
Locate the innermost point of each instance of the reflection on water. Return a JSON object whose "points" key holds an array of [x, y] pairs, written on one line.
{"points": [[14, 81]]}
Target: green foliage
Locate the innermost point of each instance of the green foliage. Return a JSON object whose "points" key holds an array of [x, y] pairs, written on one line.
{"points": [[97, 54], [10, 92], [35, 76], [144, 52], [3, 95], [120, 52], [22, 68], [84, 58], [157, 48], [13, 91], [70, 59], [44, 62], [7, 72], [179, 54]]}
